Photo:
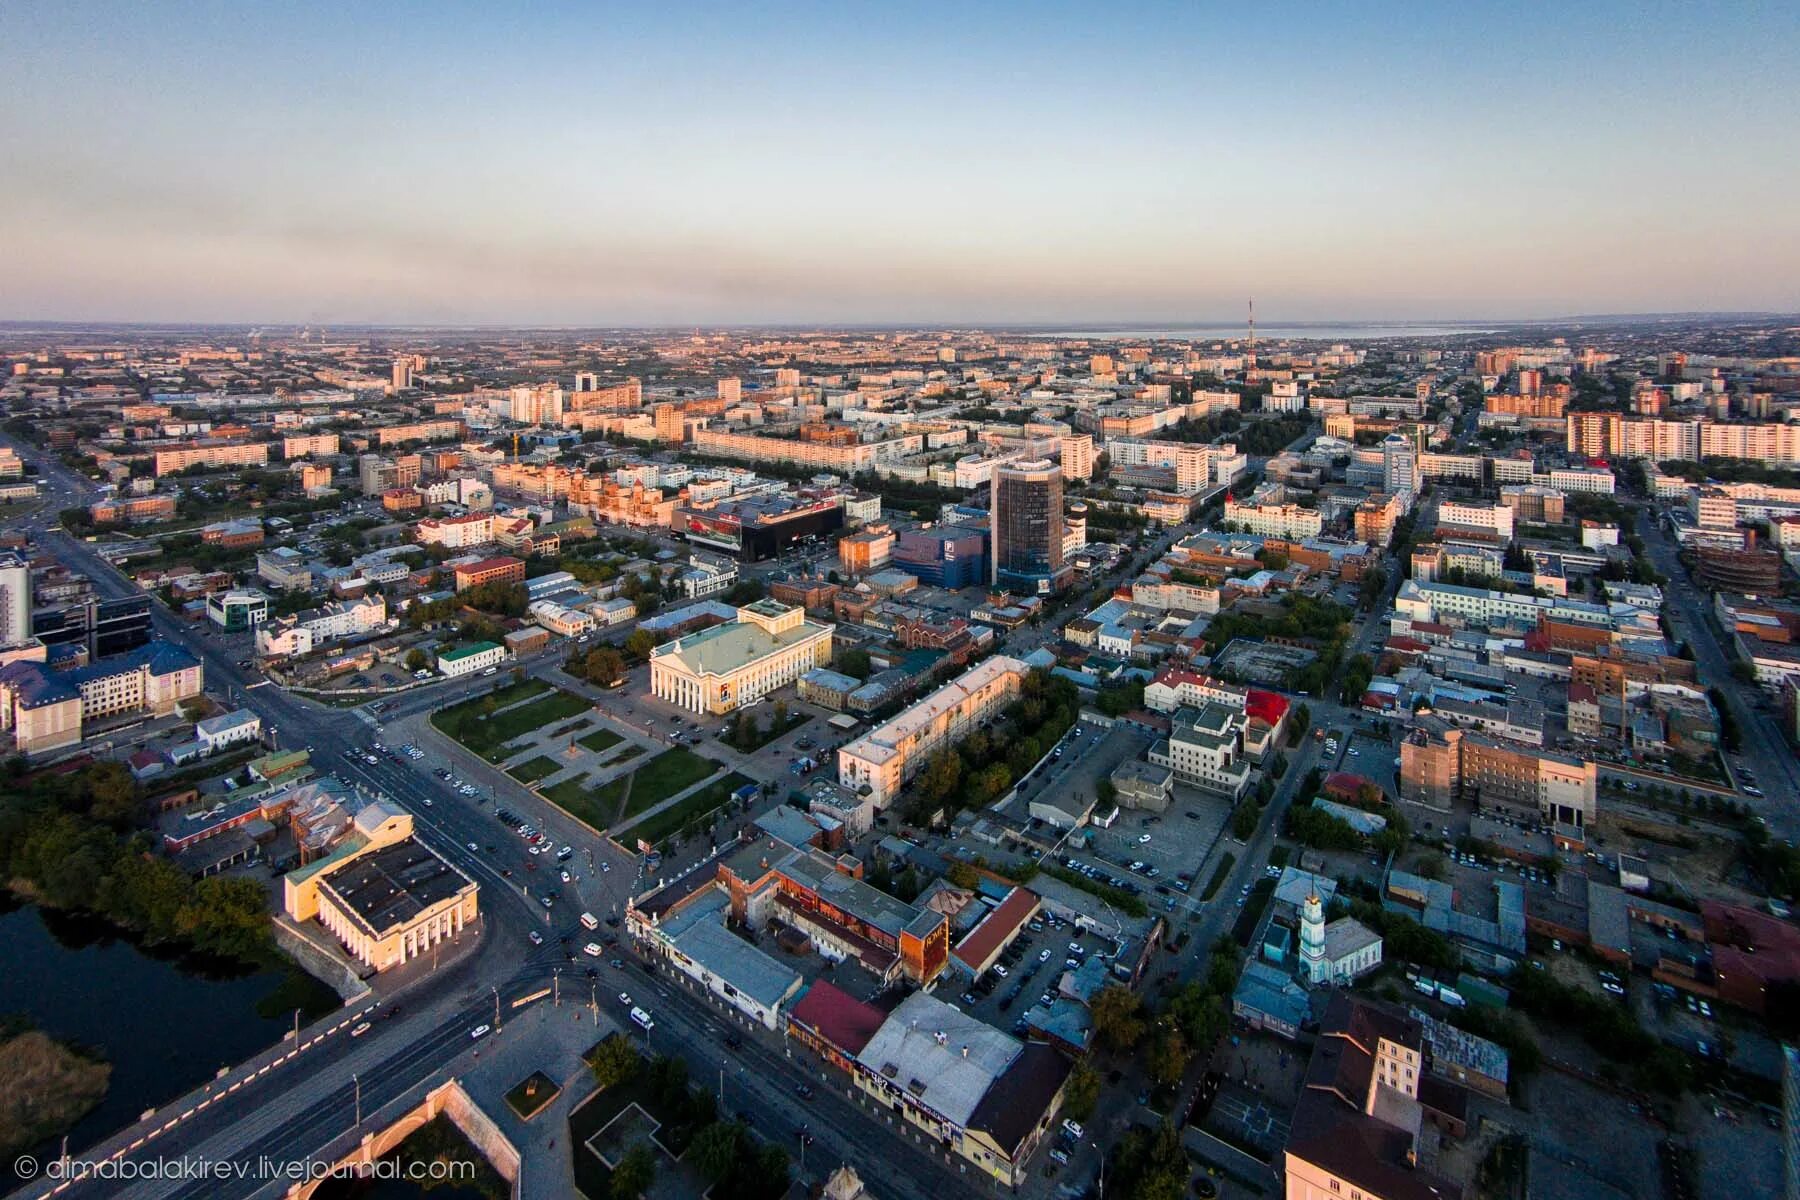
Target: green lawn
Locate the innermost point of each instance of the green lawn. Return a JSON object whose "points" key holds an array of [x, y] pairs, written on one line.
{"points": [[573, 797], [487, 736], [1219, 875], [600, 739], [663, 776], [666, 774], [534, 769], [676, 817]]}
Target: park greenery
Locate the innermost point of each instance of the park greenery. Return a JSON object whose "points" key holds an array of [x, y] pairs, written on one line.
{"points": [[987, 762], [81, 841], [732, 1160]]}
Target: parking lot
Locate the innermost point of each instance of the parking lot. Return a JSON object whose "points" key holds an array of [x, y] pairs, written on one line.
{"points": [[1032, 966]]}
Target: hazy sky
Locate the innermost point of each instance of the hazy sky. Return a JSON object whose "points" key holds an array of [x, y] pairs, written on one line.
{"points": [[586, 163]]}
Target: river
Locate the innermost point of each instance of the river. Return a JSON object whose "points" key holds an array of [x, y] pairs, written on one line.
{"points": [[166, 1022]]}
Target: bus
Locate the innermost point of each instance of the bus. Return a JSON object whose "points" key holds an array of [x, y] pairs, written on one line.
{"points": [[589, 921]]}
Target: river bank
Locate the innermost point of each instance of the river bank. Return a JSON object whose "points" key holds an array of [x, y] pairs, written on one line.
{"points": [[165, 1019], [45, 1086]]}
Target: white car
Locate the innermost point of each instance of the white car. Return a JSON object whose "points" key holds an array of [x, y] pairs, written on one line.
{"points": [[479, 1032], [625, 999], [360, 1029], [1143, 839]]}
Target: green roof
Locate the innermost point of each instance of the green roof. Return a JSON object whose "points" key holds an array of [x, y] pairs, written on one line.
{"points": [[466, 651]]}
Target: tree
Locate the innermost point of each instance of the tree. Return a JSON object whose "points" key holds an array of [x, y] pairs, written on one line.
{"points": [[634, 1174], [856, 663], [1082, 1092], [604, 666], [614, 1061], [781, 715], [1117, 1017], [112, 795], [1150, 1164], [640, 643], [1167, 1057], [416, 660], [715, 1150], [963, 875], [489, 705], [1244, 820]]}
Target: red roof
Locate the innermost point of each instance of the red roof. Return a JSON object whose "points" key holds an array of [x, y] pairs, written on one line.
{"points": [[1580, 692], [497, 563], [1268, 707], [1345, 783], [838, 1017], [1751, 951], [996, 929]]}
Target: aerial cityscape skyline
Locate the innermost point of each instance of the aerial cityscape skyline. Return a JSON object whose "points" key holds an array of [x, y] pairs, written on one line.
{"points": [[808, 601], [942, 164]]}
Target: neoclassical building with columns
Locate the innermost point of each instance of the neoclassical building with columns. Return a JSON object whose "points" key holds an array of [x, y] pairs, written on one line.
{"points": [[383, 894], [716, 670]]}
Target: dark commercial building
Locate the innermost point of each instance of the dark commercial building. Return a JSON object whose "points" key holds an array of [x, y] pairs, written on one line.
{"points": [[104, 627], [952, 556], [756, 530], [1028, 527]]}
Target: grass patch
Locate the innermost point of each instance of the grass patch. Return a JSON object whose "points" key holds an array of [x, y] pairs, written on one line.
{"points": [[666, 774], [1218, 876], [571, 727], [625, 755], [695, 808], [531, 1095], [534, 769], [574, 798], [600, 739], [488, 735], [48, 1088]]}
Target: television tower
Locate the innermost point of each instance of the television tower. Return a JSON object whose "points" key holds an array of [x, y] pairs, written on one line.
{"points": [[1250, 358]]}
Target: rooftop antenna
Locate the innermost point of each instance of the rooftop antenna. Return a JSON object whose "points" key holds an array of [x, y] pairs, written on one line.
{"points": [[1250, 359]]}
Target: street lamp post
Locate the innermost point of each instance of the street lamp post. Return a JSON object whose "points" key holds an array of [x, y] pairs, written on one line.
{"points": [[496, 992], [356, 1082]]}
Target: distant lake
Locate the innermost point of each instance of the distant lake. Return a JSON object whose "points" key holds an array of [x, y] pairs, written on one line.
{"points": [[1271, 333], [166, 1022]]}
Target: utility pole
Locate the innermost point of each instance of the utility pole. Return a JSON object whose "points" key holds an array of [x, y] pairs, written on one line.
{"points": [[496, 992], [556, 988], [356, 1081]]}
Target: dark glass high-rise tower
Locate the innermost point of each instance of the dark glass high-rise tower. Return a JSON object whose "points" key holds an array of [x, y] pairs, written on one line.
{"points": [[1027, 516]]}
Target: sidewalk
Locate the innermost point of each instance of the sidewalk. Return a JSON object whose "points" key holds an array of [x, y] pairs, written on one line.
{"points": [[544, 1038]]}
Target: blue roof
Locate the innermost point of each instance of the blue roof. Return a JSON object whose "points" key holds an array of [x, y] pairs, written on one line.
{"points": [[38, 684]]}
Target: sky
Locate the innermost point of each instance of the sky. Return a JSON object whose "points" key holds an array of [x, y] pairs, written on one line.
{"points": [[838, 163]]}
